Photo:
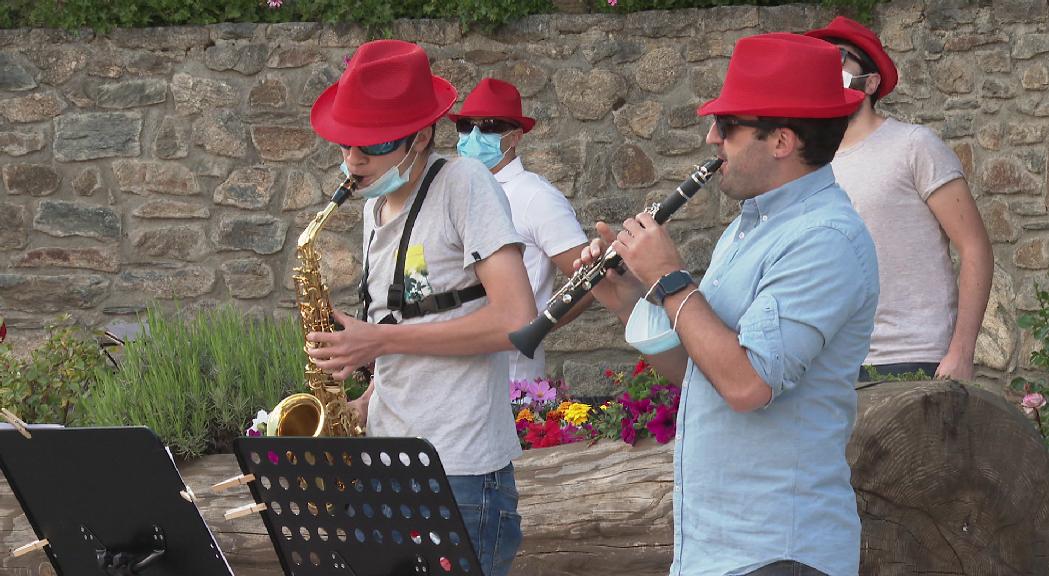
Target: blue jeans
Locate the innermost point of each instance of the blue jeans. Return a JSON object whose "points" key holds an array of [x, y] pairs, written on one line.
{"points": [[488, 504]]}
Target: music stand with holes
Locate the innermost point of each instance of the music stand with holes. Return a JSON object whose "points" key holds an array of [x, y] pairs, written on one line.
{"points": [[108, 501], [357, 506]]}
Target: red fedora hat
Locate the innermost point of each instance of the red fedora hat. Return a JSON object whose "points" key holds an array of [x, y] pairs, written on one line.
{"points": [[842, 28], [785, 75], [494, 99], [387, 92]]}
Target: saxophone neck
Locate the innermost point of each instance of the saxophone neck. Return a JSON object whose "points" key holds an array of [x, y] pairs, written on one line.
{"points": [[344, 191], [307, 236]]}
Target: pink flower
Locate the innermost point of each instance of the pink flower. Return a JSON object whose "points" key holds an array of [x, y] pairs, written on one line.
{"points": [[636, 407], [662, 426], [612, 2], [1032, 402], [517, 389], [540, 391], [629, 434], [274, 3]]}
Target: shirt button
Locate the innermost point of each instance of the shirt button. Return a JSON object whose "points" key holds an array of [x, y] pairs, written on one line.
{"points": [[764, 217], [741, 234], [717, 283]]}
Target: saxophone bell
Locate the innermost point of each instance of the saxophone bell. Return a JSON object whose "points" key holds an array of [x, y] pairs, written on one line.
{"points": [[323, 411]]}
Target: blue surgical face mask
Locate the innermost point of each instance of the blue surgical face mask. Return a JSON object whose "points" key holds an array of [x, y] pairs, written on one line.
{"points": [[649, 329], [483, 147], [390, 181]]}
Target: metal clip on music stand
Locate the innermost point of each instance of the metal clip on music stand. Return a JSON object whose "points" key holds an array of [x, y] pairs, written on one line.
{"points": [[107, 501], [357, 506]]}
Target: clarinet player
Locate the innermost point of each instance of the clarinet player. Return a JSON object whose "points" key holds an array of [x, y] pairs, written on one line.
{"points": [[768, 343]]}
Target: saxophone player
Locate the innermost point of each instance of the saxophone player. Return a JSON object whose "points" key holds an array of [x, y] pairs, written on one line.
{"points": [[443, 283], [768, 344]]}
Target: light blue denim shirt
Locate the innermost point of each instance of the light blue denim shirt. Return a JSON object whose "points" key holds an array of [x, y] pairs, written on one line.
{"points": [[796, 276]]}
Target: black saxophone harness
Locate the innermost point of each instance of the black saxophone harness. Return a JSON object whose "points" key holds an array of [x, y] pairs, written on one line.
{"points": [[431, 304]]}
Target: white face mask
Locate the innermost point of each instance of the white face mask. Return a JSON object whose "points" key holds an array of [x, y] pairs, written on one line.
{"points": [[649, 329], [847, 78]]}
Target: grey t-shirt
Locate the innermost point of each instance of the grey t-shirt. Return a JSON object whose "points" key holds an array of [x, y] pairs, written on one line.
{"points": [[461, 404], [889, 176]]}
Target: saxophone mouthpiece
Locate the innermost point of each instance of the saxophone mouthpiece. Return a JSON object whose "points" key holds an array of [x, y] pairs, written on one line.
{"points": [[345, 189]]}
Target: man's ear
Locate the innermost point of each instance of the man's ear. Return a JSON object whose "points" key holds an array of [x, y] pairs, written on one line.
{"points": [[514, 138], [873, 82], [785, 142]]}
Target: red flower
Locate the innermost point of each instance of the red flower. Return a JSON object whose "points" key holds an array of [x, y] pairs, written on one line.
{"points": [[640, 367], [609, 373], [662, 426], [545, 435], [3, 330]]}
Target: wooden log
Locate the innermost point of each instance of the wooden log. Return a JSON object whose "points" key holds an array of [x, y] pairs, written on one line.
{"points": [[950, 479]]}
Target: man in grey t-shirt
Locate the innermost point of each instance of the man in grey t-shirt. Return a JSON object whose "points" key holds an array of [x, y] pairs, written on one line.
{"points": [[437, 339], [909, 188]]}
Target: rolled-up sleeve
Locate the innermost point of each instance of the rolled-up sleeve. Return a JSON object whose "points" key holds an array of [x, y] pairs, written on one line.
{"points": [[811, 288]]}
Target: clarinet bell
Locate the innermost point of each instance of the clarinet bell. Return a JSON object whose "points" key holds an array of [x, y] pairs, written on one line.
{"points": [[528, 338]]}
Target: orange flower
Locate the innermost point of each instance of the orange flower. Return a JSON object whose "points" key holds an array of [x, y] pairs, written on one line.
{"points": [[525, 414]]}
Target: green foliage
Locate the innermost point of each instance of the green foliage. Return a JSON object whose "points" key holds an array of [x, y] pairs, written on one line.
{"points": [[874, 376], [1037, 323], [647, 408], [376, 15], [44, 388], [198, 381]]}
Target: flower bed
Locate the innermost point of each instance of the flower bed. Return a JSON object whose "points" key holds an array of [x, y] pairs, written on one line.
{"points": [[547, 415]]}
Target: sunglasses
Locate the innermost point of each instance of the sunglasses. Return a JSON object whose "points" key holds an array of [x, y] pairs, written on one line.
{"points": [[379, 149], [484, 125], [724, 124], [865, 63]]}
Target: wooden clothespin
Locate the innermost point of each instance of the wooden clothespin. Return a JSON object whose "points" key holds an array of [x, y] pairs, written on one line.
{"points": [[17, 422], [244, 510], [23, 550], [231, 482], [188, 495]]}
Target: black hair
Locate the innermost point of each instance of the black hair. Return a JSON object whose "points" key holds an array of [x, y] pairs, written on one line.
{"points": [[819, 137]]}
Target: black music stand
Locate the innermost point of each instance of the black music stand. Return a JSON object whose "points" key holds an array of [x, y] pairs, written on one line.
{"points": [[357, 506], [109, 501]]}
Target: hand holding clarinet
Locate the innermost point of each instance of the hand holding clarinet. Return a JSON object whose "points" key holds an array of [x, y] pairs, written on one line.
{"points": [[633, 238]]}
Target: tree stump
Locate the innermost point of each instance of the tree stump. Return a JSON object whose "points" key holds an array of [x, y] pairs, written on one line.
{"points": [[950, 479]]}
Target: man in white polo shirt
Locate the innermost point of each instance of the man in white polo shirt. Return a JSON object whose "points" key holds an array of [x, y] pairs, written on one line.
{"points": [[490, 127]]}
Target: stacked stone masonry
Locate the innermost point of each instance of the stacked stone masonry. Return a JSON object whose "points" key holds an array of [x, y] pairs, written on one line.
{"points": [[177, 165]]}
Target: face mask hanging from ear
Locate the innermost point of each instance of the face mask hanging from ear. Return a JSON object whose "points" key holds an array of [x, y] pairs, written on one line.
{"points": [[390, 181], [483, 147], [649, 329]]}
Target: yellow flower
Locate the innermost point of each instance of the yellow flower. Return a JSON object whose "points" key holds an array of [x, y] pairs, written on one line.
{"points": [[525, 414], [577, 413]]}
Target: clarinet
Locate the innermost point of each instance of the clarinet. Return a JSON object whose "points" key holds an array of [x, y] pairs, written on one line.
{"points": [[528, 338]]}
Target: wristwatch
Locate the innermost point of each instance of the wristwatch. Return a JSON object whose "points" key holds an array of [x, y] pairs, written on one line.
{"points": [[670, 283]]}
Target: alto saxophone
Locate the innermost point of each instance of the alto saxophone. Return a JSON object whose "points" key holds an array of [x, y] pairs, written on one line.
{"points": [[322, 411]]}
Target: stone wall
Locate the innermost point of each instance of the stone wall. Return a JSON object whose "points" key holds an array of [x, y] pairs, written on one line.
{"points": [[177, 164]]}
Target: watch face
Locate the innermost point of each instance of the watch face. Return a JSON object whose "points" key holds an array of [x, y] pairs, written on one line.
{"points": [[673, 282]]}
